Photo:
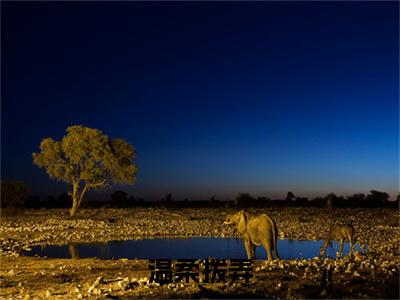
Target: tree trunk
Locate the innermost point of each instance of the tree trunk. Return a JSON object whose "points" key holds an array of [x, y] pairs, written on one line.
{"points": [[75, 201], [80, 198], [74, 208], [77, 198], [329, 202]]}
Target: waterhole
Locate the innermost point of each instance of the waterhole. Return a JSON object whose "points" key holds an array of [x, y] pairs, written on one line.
{"points": [[178, 248]]}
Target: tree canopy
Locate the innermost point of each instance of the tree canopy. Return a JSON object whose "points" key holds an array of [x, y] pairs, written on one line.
{"points": [[87, 159]]}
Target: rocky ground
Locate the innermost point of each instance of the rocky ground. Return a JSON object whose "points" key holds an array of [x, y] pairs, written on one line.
{"points": [[373, 274]]}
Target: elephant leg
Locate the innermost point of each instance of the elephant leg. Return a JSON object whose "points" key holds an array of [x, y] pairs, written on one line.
{"points": [[341, 248], [247, 244], [351, 244], [323, 249], [276, 254], [276, 250], [253, 251], [268, 249]]}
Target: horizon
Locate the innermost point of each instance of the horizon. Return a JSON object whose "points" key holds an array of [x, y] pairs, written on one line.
{"points": [[217, 98], [105, 195]]}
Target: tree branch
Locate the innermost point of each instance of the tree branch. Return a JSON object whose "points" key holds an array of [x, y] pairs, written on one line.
{"points": [[82, 194], [96, 185]]}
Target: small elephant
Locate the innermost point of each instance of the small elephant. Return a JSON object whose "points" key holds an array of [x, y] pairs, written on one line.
{"points": [[338, 233], [256, 231]]}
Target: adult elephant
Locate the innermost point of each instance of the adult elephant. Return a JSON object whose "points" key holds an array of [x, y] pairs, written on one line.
{"points": [[255, 231]]}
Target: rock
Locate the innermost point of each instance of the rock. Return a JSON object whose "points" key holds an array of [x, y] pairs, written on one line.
{"points": [[143, 281], [124, 284], [356, 274], [98, 281], [93, 289]]}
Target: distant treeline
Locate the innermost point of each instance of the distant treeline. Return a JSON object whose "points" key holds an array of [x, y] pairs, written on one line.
{"points": [[16, 195]]}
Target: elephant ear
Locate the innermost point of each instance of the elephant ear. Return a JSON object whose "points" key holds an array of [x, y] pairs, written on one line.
{"points": [[242, 224]]}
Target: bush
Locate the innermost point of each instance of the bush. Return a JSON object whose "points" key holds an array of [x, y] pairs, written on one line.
{"points": [[13, 196]]}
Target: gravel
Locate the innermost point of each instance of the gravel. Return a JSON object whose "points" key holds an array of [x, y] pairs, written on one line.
{"points": [[378, 229]]}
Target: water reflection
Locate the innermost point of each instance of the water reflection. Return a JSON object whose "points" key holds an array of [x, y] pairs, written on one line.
{"points": [[73, 251], [182, 248]]}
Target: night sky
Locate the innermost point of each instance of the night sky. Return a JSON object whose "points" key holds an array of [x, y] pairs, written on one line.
{"points": [[217, 98]]}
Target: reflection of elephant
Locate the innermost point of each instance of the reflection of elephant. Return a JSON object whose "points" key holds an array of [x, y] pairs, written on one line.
{"points": [[256, 231], [73, 251], [338, 233]]}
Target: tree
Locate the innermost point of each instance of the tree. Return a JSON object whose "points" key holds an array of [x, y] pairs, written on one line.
{"points": [[380, 196], [290, 196], [377, 198], [87, 159], [244, 200], [301, 201], [33, 202], [167, 198], [13, 193], [357, 199], [329, 200], [119, 199], [132, 201], [263, 201]]}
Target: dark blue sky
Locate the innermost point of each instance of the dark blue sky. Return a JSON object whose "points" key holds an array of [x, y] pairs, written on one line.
{"points": [[217, 98]]}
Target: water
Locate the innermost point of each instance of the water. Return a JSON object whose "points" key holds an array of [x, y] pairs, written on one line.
{"points": [[178, 248]]}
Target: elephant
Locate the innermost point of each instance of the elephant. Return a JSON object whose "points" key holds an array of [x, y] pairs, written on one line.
{"points": [[338, 233], [255, 231]]}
